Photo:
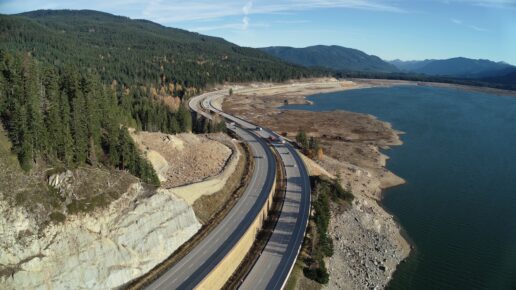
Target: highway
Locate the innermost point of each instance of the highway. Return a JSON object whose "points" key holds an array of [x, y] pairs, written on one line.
{"points": [[277, 260], [191, 270], [274, 265]]}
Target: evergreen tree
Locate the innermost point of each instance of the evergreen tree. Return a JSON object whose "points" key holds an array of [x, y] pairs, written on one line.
{"points": [[53, 121], [73, 119], [313, 143], [79, 128], [302, 139], [33, 96], [65, 149], [184, 118], [91, 89]]}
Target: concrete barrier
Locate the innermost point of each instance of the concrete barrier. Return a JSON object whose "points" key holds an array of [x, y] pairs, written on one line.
{"points": [[225, 269]]}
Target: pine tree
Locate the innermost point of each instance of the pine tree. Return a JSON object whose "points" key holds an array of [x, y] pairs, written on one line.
{"points": [[174, 125], [53, 121], [313, 143], [75, 119], [184, 118], [37, 134], [301, 139], [79, 128], [91, 90], [65, 150], [23, 146], [124, 148]]}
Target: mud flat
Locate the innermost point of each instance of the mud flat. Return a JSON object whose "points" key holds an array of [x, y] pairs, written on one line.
{"points": [[368, 243]]}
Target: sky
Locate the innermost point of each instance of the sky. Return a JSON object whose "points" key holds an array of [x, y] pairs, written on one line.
{"points": [[391, 29]]}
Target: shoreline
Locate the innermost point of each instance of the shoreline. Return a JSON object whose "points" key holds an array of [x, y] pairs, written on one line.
{"points": [[468, 88], [368, 240]]}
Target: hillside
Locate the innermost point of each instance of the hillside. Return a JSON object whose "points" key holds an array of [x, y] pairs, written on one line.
{"points": [[93, 71], [506, 77], [136, 51], [334, 57], [410, 65], [454, 67]]}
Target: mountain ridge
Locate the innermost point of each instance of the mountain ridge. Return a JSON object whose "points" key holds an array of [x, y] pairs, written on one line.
{"points": [[331, 56], [454, 67], [137, 51]]}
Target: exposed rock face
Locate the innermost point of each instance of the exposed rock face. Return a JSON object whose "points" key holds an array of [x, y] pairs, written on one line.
{"points": [[103, 249]]}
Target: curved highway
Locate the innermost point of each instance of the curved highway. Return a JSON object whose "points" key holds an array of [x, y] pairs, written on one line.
{"points": [[274, 265], [196, 265]]}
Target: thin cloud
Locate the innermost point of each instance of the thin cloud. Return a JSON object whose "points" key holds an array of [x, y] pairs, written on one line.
{"points": [[218, 27], [477, 28], [470, 26], [245, 23], [176, 11], [234, 26], [246, 9], [179, 11], [502, 4], [291, 21]]}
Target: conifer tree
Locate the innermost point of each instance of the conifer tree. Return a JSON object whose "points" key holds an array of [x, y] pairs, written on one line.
{"points": [[53, 121], [184, 119], [79, 128], [65, 150]]}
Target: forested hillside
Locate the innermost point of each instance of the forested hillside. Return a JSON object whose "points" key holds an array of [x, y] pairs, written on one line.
{"points": [[67, 118], [455, 67], [137, 51], [72, 81], [333, 57]]}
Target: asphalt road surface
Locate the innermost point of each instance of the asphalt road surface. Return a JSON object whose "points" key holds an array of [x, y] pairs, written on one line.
{"points": [[277, 260], [272, 269], [192, 269]]}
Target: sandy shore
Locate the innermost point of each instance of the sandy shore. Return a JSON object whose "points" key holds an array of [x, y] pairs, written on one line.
{"points": [[368, 243]]}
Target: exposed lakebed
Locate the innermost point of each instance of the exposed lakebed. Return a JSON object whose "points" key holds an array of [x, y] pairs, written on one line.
{"points": [[458, 207]]}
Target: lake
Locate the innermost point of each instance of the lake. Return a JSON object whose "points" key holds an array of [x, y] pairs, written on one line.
{"points": [[459, 160]]}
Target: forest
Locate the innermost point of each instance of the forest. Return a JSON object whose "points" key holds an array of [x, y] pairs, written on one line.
{"points": [[73, 82], [138, 52], [72, 119]]}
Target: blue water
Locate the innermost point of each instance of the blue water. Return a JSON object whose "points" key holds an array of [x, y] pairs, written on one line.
{"points": [[459, 160]]}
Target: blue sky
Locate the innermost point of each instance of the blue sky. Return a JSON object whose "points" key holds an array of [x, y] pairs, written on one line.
{"points": [[404, 29]]}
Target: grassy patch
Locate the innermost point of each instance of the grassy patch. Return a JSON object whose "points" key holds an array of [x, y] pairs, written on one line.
{"points": [[57, 217], [97, 188]]}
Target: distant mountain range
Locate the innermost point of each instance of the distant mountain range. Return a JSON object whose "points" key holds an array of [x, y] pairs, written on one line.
{"points": [[139, 51], [348, 60], [333, 57], [455, 67]]}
